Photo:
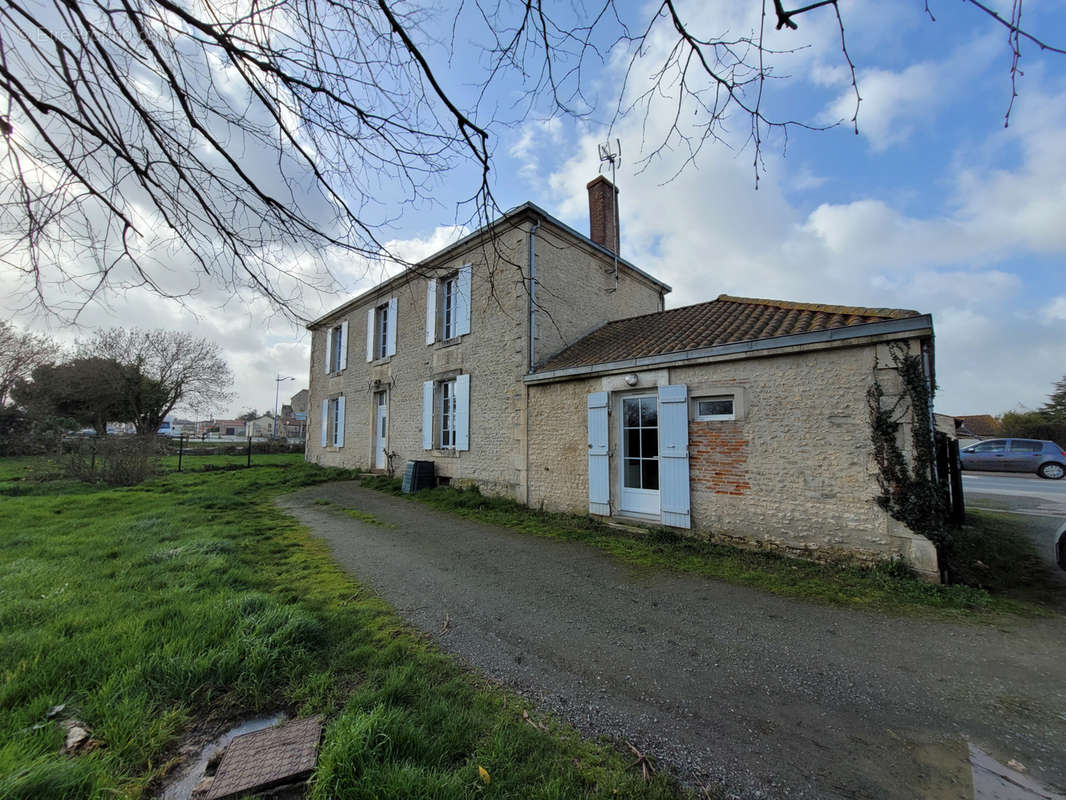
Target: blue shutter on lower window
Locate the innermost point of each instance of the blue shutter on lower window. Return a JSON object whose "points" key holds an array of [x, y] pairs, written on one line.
{"points": [[599, 457], [674, 488]]}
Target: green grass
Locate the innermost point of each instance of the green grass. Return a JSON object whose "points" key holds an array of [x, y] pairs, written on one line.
{"points": [[994, 552], [192, 597], [886, 587]]}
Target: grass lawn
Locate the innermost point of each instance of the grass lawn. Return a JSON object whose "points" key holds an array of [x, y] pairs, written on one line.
{"points": [[995, 556], [192, 597]]}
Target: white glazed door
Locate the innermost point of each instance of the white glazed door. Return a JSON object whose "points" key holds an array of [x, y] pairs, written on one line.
{"points": [[381, 429], [639, 436]]}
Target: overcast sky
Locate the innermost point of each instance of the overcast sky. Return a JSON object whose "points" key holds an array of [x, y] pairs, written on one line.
{"points": [[934, 206]]}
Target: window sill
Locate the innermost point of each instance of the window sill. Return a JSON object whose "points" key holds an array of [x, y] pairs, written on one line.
{"points": [[442, 343], [377, 362]]}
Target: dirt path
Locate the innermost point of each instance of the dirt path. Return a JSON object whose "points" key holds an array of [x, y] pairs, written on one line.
{"points": [[764, 696]]}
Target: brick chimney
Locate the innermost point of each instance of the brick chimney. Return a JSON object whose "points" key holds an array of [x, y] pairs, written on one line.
{"points": [[603, 222]]}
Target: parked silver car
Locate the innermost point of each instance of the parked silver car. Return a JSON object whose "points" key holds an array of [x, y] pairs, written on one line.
{"points": [[1046, 459]]}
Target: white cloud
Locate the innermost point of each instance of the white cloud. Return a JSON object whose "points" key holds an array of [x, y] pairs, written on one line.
{"points": [[1055, 310], [707, 232]]}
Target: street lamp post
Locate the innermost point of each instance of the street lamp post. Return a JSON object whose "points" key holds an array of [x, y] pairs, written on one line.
{"points": [[277, 387]]}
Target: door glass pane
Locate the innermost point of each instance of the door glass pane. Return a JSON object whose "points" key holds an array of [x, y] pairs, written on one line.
{"points": [[630, 413], [631, 473], [649, 415], [649, 443], [649, 473], [632, 436]]}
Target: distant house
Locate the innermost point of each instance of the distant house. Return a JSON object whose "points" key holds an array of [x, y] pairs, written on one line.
{"points": [[530, 360], [226, 427], [299, 403], [260, 427], [976, 427]]}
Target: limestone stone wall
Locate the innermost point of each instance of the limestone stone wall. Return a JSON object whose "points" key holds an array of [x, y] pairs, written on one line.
{"points": [[495, 354], [795, 470], [577, 291]]}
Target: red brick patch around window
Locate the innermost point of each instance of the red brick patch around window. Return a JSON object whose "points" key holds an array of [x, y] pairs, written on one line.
{"points": [[718, 457]]}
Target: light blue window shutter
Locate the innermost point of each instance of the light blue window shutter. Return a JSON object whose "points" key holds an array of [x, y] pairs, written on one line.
{"points": [[462, 302], [431, 310], [462, 412], [390, 333], [344, 345], [673, 456], [339, 435], [325, 420], [329, 346], [370, 334], [599, 458], [427, 415]]}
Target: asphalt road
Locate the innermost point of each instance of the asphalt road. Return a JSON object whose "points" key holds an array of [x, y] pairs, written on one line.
{"points": [[1040, 503], [1019, 492], [758, 695]]}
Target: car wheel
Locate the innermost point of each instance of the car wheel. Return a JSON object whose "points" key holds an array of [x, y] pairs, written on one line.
{"points": [[1051, 471]]}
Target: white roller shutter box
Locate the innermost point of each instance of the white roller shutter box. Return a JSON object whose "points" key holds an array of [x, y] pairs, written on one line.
{"points": [[325, 421], [338, 437], [344, 345], [599, 457], [431, 310], [462, 412], [390, 331], [673, 456], [462, 302], [329, 346], [427, 415], [370, 334]]}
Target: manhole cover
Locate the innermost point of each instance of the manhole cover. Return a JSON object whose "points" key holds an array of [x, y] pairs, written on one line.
{"points": [[267, 758]]}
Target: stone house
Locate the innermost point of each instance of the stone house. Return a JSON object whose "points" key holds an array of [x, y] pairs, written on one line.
{"points": [[530, 360]]}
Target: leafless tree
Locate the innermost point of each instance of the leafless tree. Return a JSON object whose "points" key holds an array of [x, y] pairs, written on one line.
{"points": [[20, 353], [157, 370], [257, 140]]}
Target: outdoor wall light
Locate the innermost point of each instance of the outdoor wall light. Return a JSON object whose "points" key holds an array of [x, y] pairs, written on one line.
{"points": [[631, 379]]}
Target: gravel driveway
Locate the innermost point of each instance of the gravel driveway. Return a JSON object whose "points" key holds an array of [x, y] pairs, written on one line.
{"points": [[760, 695]]}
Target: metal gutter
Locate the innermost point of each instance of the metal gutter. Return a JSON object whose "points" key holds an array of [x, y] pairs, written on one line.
{"points": [[440, 255], [923, 323]]}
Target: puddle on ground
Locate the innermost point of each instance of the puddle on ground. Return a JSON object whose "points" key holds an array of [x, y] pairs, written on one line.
{"points": [[180, 785], [995, 781], [963, 771]]}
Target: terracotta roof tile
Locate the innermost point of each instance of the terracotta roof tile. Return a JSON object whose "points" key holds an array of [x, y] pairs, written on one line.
{"points": [[724, 320]]}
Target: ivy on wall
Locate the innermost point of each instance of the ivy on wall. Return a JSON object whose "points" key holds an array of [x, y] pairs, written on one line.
{"points": [[909, 490]]}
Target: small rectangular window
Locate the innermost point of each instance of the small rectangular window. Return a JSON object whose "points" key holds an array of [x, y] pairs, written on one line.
{"points": [[447, 415], [717, 407]]}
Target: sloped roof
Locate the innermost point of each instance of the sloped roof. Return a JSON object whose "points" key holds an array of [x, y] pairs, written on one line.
{"points": [[978, 424], [721, 321]]}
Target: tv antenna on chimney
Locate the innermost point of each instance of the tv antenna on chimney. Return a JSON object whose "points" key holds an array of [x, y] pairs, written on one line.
{"points": [[614, 158]]}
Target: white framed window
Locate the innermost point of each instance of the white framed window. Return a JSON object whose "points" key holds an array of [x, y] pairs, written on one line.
{"points": [[448, 306], [333, 421], [714, 408], [381, 331], [448, 287], [447, 415], [337, 348]]}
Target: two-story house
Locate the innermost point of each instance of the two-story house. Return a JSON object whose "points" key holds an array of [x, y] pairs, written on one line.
{"points": [[531, 360]]}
